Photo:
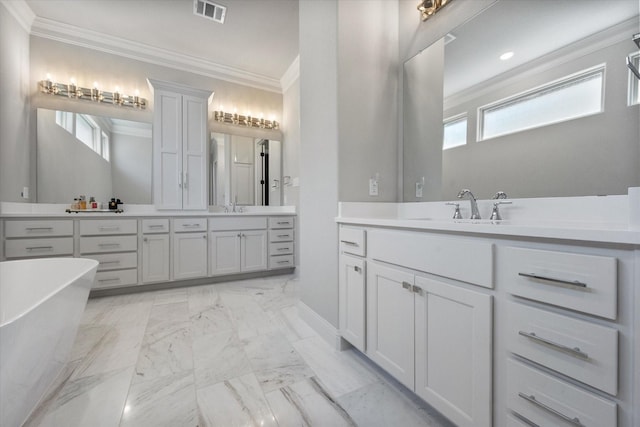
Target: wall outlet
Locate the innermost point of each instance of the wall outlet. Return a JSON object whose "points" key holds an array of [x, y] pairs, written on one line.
{"points": [[25, 192], [373, 187], [419, 187]]}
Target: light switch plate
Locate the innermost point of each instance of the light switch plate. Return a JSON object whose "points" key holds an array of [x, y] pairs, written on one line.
{"points": [[373, 187], [419, 189]]}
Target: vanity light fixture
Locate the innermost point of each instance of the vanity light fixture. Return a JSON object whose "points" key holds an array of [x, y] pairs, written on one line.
{"points": [[245, 120], [72, 90], [428, 8]]}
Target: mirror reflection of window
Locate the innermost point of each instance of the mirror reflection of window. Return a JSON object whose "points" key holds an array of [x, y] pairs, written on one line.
{"points": [[634, 83], [455, 132]]}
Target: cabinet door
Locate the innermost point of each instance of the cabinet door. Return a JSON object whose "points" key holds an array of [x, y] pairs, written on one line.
{"points": [[189, 255], [453, 351], [253, 250], [194, 153], [155, 258], [167, 150], [390, 321], [352, 300], [225, 252]]}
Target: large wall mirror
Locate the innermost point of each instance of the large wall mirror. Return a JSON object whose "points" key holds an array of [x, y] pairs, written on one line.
{"points": [[245, 170], [83, 154], [557, 115], [104, 157]]}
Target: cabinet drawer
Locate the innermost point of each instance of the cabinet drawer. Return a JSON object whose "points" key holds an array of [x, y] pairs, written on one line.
{"points": [[579, 282], [284, 248], [238, 223], [23, 248], [578, 349], [108, 279], [116, 261], [280, 235], [547, 401], [38, 228], [467, 259], [352, 241], [150, 226], [100, 244], [281, 222], [184, 225], [94, 227], [280, 261]]}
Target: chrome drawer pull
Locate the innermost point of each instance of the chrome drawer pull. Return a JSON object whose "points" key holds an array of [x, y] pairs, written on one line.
{"points": [[40, 248], [38, 228], [283, 262], [156, 226], [283, 235], [553, 279], [190, 225], [108, 245], [110, 279], [416, 290], [109, 227], [109, 262], [284, 249], [575, 350], [406, 285], [525, 420], [532, 399], [346, 242], [283, 222]]}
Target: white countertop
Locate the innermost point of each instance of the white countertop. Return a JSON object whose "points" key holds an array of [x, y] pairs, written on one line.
{"points": [[593, 219], [47, 210]]}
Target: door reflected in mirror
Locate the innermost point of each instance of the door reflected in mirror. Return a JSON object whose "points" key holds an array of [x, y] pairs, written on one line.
{"points": [[246, 171]]}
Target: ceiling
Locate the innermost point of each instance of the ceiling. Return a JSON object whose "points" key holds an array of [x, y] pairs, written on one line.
{"points": [[530, 29], [258, 40]]}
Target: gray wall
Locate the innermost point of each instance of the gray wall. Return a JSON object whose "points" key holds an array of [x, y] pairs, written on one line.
{"points": [[319, 157], [17, 147], [348, 124], [367, 99]]}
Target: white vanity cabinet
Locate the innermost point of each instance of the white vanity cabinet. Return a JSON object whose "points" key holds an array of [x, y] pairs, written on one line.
{"points": [[38, 238], [281, 242], [180, 140], [237, 245], [155, 250], [352, 287], [427, 328], [189, 242], [114, 244]]}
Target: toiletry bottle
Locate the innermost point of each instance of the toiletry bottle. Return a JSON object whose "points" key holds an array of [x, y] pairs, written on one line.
{"points": [[92, 201], [83, 202], [74, 205]]}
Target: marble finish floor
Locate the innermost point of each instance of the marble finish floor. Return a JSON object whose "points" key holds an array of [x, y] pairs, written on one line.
{"points": [[227, 354]]}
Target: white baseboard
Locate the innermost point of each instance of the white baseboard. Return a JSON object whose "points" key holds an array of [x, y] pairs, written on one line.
{"points": [[326, 330]]}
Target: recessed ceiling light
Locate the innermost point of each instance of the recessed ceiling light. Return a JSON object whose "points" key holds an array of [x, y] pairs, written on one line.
{"points": [[506, 55]]}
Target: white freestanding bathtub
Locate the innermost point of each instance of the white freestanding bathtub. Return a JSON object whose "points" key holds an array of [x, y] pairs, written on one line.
{"points": [[41, 303]]}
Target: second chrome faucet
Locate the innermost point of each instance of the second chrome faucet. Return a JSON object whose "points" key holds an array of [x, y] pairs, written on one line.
{"points": [[475, 214]]}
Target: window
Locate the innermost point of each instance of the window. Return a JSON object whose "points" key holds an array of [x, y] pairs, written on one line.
{"points": [[64, 119], [87, 131], [634, 83], [569, 98], [455, 131]]}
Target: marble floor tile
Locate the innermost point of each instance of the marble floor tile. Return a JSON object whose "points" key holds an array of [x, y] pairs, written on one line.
{"points": [[96, 400], [164, 401], [219, 357], [340, 371], [307, 403], [224, 354], [382, 405], [235, 402], [275, 362]]}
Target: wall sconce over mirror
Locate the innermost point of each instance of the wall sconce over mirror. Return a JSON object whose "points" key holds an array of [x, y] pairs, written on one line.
{"points": [[428, 8], [245, 120], [72, 90]]}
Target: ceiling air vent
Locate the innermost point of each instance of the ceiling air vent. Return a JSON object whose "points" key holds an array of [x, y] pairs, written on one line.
{"points": [[210, 10]]}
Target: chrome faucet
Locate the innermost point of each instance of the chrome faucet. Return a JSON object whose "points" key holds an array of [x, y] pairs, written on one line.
{"points": [[475, 214]]}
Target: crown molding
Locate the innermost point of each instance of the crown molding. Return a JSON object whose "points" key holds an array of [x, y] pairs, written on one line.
{"points": [[70, 34], [291, 75], [21, 11]]}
